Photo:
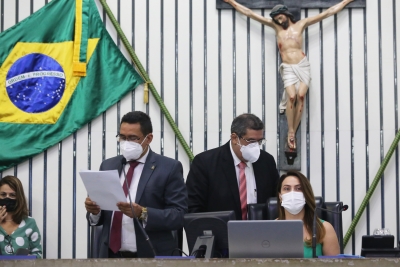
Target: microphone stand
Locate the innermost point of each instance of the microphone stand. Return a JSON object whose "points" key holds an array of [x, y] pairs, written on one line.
{"points": [[314, 229], [314, 236], [133, 213]]}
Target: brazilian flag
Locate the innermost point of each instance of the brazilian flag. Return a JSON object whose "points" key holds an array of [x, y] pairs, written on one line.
{"points": [[59, 70]]}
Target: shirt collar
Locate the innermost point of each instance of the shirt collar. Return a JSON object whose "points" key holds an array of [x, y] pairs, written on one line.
{"points": [[143, 159], [236, 160]]}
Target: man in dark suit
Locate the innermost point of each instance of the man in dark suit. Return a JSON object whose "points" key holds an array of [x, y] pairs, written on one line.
{"points": [[157, 189], [233, 175]]}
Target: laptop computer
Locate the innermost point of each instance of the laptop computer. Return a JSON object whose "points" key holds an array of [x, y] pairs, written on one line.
{"points": [[265, 239]]}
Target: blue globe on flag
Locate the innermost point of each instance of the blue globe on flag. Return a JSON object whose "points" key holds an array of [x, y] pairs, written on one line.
{"points": [[35, 83]]}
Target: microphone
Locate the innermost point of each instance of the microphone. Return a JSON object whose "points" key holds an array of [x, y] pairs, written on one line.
{"points": [[123, 161], [314, 236]]}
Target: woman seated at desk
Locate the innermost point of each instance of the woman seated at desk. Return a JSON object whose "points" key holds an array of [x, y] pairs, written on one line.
{"points": [[297, 202], [18, 231]]}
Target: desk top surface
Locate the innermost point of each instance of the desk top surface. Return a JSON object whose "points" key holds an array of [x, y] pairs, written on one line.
{"points": [[367, 262]]}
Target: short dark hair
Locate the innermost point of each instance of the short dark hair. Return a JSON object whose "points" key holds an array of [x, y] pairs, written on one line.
{"points": [[246, 121], [139, 117], [21, 207]]}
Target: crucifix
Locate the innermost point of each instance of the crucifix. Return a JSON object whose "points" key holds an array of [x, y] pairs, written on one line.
{"points": [[295, 68]]}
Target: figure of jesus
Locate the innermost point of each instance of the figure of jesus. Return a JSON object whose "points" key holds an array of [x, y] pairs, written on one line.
{"points": [[295, 68]]}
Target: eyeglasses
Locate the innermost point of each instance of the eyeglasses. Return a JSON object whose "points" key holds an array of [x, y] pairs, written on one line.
{"points": [[131, 138], [252, 141], [8, 248], [10, 195]]}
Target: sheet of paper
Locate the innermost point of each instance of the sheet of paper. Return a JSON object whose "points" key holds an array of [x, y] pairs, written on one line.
{"points": [[104, 188]]}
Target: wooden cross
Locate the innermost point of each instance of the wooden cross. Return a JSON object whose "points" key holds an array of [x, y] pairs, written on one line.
{"points": [[294, 6]]}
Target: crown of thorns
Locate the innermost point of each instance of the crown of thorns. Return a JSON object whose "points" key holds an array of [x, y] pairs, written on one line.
{"points": [[279, 9]]}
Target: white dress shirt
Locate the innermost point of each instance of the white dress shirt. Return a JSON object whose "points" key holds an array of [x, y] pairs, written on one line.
{"points": [[250, 178], [128, 236]]}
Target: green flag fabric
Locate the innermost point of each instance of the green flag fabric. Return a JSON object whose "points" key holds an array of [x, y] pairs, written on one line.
{"points": [[42, 98]]}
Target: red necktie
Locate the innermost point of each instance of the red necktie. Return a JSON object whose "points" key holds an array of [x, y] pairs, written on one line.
{"points": [[115, 235], [243, 190]]}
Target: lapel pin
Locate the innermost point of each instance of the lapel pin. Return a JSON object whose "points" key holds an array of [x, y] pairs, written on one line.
{"points": [[153, 167]]}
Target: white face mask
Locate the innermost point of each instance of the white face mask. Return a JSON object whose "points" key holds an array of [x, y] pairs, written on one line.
{"points": [[251, 152], [293, 202], [131, 150]]}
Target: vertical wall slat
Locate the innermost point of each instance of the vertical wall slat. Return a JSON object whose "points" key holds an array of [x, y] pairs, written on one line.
{"points": [[162, 75], [382, 153], [366, 115], [248, 68], [234, 98], [322, 89], [74, 151], [262, 74], [59, 245], [205, 77], [337, 111], [176, 73], [351, 125], [396, 116], [191, 75], [307, 113], [44, 232], [219, 80]]}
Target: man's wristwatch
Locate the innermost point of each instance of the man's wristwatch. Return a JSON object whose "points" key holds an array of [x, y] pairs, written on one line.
{"points": [[143, 215]]}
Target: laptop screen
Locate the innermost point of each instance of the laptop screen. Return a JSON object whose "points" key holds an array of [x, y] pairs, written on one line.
{"points": [[265, 239]]}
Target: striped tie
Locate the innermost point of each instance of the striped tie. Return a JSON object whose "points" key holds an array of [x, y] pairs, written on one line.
{"points": [[115, 235], [243, 189]]}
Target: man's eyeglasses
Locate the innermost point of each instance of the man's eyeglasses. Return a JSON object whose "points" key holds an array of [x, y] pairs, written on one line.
{"points": [[252, 141], [10, 195], [8, 248], [131, 138]]}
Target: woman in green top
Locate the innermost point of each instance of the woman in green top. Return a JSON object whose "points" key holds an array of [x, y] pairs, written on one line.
{"points": [[297, 202], [18, 231]]}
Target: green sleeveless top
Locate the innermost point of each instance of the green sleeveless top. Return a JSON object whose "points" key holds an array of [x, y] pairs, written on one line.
{"points": [[308, 250]]}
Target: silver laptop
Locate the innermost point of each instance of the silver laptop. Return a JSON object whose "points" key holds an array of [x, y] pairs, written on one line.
{"points": [[265, 239]]}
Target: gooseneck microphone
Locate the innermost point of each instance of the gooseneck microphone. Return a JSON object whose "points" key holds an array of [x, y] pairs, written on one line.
{"points": [[314, 236], [123, 161]]}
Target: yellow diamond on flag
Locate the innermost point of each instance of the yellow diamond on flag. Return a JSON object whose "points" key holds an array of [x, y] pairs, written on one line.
{"points": [[37, 81]]}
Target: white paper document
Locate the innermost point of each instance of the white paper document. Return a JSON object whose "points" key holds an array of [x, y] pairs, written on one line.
{"points": [[104, 188]]}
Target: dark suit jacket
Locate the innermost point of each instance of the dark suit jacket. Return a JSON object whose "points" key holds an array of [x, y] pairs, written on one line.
{"points": [[162, 190], [212, 183]]}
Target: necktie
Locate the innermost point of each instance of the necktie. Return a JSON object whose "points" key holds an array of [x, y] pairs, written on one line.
{"points": [[243, 189], [115, 234]]}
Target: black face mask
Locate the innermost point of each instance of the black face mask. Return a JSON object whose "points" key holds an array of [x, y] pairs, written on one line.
{"points": [[9, 203]]}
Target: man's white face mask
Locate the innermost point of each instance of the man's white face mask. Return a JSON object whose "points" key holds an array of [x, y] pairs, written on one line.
{"points": [[251, 152], [131, 150]]}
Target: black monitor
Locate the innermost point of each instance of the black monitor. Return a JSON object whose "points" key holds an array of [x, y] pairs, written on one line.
{"points": [[378, 246], [209, 232]]}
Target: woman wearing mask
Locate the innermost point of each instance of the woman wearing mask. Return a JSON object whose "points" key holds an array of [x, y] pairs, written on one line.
{"points": [[297, 202], [18, 231]]}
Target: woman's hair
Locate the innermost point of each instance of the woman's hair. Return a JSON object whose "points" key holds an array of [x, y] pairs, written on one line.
{"points": [[309, 207], [21, 208]]}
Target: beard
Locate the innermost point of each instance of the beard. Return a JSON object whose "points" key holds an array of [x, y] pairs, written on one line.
{"points": [[285, 24]]}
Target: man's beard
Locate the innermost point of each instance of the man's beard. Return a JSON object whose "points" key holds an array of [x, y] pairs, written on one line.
{"points": [[285, 24]]}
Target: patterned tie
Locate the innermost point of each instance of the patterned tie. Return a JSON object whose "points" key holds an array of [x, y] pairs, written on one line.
{"points": [[115, 235], [243, 189]]}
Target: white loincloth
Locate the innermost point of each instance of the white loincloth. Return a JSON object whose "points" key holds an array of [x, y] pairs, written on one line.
{"points": [[294, 74]]}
